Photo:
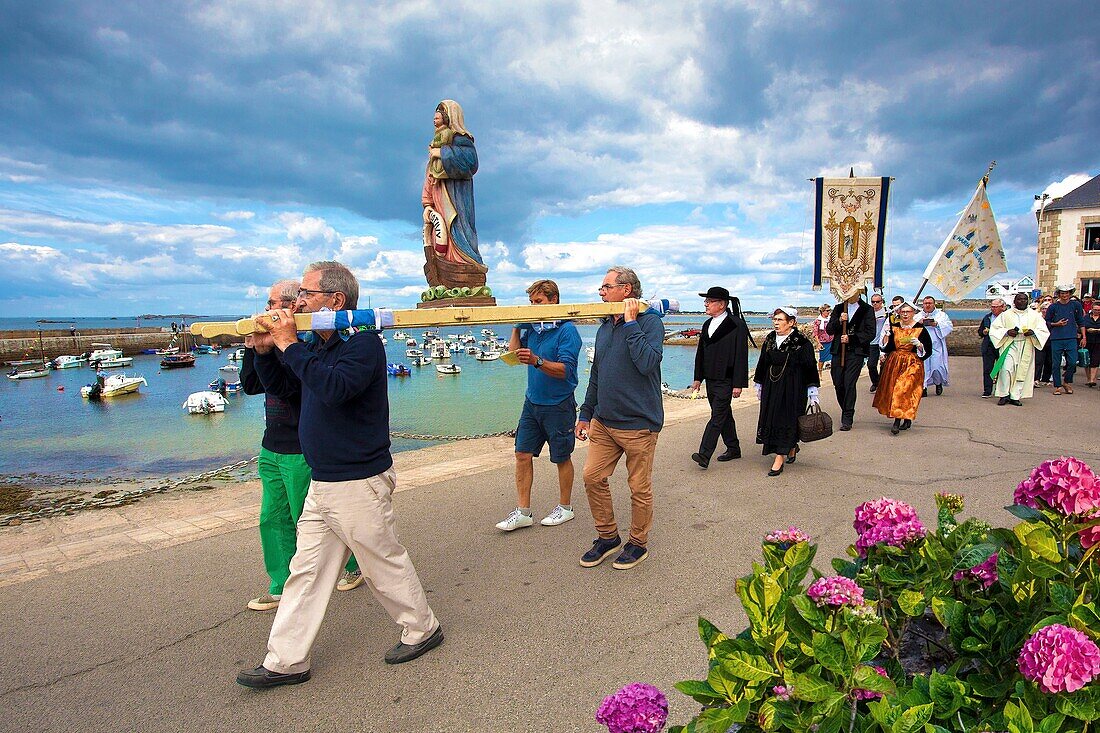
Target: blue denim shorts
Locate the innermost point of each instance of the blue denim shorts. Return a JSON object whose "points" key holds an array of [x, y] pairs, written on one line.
{"points": [[553, 424], [825, 354]]}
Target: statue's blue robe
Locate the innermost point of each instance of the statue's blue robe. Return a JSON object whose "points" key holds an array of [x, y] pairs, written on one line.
{"points": [[460, 163]]}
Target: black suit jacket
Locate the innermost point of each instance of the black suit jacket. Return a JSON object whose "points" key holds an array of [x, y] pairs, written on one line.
{"points": [[725, 354], [861, 329]]}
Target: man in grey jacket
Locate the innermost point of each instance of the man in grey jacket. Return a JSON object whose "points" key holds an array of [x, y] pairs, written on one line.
{"points": [[622, 413]]}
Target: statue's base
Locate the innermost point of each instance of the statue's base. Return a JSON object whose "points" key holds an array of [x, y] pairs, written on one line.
{"points": [[458, 302]]}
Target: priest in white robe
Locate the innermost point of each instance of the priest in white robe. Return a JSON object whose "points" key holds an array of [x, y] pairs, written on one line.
{"points": [[1017, 334], [938, 324]]}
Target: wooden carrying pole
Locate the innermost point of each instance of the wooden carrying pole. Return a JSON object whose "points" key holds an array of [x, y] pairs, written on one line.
{"points": [[429, 317]]}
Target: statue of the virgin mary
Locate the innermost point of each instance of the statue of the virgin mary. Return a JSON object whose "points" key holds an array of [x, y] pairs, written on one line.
{"points": [[453, 262]]}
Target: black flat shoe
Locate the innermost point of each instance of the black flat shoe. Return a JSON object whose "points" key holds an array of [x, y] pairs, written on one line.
{"points": [[793, 458], [731, 454], [939, 390], [845, 427], [698, 458], [1002, 402], [895, 428], [906, 424], [1017, 403], [775, 471], [262, 678], [408, 652]]}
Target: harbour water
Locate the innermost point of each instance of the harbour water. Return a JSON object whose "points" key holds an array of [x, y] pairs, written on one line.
{"points": [[53, 436]]}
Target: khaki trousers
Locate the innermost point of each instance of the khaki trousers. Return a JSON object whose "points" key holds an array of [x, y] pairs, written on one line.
{"points": [[605, 447], [338, 515]]}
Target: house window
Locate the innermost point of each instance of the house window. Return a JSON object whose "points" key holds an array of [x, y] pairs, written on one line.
{"points": [[1090, 286], [1092, 238]]}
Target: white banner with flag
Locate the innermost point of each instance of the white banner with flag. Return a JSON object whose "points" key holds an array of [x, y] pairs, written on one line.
{"points": [[972, 252]]}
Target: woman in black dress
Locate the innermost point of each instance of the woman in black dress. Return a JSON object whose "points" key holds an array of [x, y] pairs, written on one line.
{"points": [[786, 378]]}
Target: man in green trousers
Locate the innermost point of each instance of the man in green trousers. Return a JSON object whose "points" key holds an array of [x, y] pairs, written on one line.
{"points": [[283, 472]]}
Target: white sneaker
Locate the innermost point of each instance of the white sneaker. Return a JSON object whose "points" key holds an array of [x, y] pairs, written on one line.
{"points": [[515, 520], [560, 515]]}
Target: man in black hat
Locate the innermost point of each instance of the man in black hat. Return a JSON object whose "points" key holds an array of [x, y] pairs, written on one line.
{"points": [[722, 359], [852, 326]]}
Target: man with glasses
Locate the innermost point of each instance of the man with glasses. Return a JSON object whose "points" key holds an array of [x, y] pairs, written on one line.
{"points": [[722, 359], [284, 473], [622, 413], [344, 432], [874, 351]]}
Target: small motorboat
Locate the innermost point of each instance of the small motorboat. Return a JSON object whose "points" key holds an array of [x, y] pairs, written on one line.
{"points": [[401, 335], [205, 349], [448, 368], [488, 332], [205, 403], [473, 350], [114, 385], [398, 370], [237, 355], [410, 343], [225, 387], [177, 361], [105, 356], [166, 352], [29, 369], [231, 370], [590, 352], [487, 355], [413, 353], [422, 361]]}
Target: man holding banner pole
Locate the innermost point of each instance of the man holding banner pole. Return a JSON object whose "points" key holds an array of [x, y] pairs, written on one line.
{"points": [[852, 325]]}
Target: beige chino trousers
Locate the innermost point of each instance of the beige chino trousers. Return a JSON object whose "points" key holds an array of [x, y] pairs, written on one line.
{"points": [[339, 515], [605, 447]]}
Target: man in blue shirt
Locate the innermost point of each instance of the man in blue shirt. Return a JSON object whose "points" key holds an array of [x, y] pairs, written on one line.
{"points": [[550, 351], [1066, 321], [344, 433], [622, 414], [997, 306]]}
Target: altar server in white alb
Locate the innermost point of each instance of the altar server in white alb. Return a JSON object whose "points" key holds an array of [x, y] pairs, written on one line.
{"points": [[939, 325], [1017, 333]]}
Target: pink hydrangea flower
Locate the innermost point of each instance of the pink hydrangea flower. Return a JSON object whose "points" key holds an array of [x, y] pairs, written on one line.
{"points": [[858, 694], [782, 692], [1066, 485], [1091, 536], [985, 572], [835, 591], [786, 537], [636, 708], [886, 521], [1059, 659]]}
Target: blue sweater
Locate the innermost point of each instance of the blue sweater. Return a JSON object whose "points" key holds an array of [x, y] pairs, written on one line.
{"points": [[563, 344], [1072, 310], [624, 389], [344, 427]]}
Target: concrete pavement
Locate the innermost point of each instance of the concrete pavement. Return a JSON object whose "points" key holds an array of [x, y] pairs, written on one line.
{"points": [[150, 638]]}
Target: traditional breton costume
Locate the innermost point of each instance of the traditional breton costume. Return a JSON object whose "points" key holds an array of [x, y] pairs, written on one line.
{"points": [[902, 380], [935, 371], [1014, 370], [722, 360], [787, 375]]}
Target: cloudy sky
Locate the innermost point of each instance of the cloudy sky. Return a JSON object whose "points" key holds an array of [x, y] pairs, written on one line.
{"points": [[180, 156]]}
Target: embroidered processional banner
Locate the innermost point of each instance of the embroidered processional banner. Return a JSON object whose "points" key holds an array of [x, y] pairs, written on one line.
{"points": [[849, 233], [972, 252]]}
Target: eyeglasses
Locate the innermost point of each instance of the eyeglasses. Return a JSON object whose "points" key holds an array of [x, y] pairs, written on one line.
{"points": [[605, 286], [876, 300], [281, 301], [710, 301], [305, 293]]}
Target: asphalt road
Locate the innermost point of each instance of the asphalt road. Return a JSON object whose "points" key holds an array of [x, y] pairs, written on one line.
{"points": [[534, 642]]}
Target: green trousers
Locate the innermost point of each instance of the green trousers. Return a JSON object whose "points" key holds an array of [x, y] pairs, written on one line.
{"points": [[285, 478]]}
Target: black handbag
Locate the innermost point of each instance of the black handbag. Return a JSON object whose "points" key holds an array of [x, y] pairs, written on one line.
{"points": [[814, 425]]}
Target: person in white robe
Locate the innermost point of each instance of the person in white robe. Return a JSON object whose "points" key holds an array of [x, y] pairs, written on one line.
{"points": [[938, 324], [1017, 334]]}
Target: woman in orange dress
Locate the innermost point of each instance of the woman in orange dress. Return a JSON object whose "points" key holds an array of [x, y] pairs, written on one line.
{"points": [[905, 346]]}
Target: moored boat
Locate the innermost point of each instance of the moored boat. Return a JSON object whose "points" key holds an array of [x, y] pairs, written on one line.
{"points": [[206, 349], [413, 353], [237, 355], [70, 362], [205, 403], [177, 361], [422, 361], [448, 368], [112, 386], [487, 355], [105, 356], [398, 370], [29, 369]]}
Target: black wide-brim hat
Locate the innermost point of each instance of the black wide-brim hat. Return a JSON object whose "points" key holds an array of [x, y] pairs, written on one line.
{"points": [[716, 293]]}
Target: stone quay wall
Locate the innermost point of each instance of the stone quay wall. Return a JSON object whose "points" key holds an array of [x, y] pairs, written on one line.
{"points": [[16, 345]]}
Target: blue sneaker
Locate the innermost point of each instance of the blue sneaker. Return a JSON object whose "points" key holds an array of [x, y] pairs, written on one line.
{"points": [[630, 556], [601, 550]]}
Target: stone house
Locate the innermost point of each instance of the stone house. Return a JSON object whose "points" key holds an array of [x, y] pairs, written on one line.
{"points": [[1069, 240]]}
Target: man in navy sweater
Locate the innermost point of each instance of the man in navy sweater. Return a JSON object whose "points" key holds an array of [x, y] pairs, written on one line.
{"points": [[344, 433], [622, 413], [1066, 321]]}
